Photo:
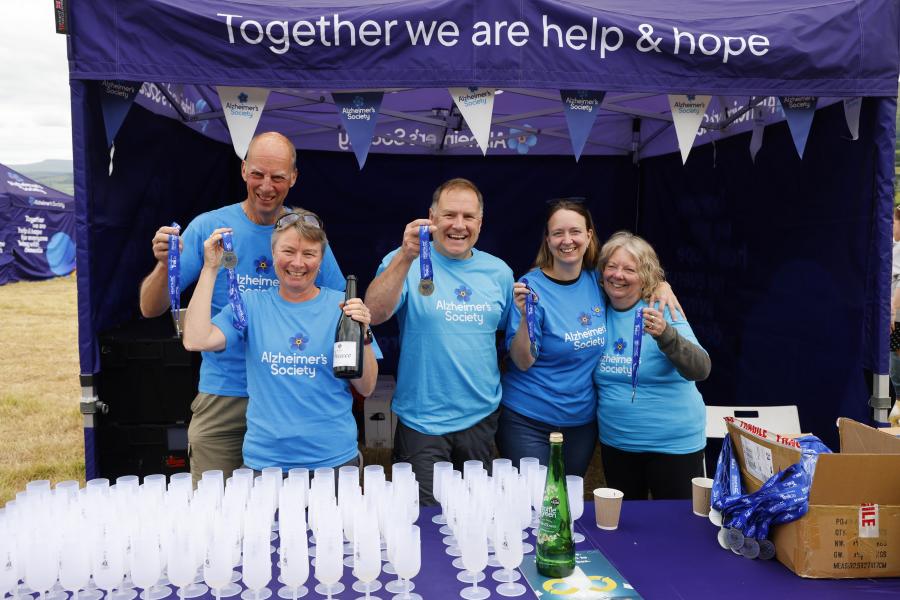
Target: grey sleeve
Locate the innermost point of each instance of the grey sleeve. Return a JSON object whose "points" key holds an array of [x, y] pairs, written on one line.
{"points": [[691, 361]]}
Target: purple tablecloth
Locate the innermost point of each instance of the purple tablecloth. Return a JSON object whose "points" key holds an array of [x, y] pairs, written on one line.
{"points": [[665, 551], [660, 547]]}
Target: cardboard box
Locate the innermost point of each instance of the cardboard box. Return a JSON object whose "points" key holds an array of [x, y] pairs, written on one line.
{"points": [[852, 529], [380, 420]]}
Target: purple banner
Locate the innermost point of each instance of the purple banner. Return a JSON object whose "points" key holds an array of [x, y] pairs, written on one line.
{"points": [[359, 113], [37, 229], [115, 100], [769, 46], [581, 108], [799, 112]]}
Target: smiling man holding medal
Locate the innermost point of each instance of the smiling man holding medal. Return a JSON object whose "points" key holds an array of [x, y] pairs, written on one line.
{"points": [[450, 299], [218, 424]]}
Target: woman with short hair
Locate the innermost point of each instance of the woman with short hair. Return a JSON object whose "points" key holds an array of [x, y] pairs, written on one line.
{"points": [[299, 413]]}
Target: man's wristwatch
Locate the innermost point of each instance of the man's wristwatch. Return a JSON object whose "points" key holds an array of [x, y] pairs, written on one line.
{"points": [[368, 337]]}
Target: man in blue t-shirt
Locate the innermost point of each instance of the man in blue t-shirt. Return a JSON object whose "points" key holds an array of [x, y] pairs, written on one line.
{"points": [[448, 380], [218, 424]]}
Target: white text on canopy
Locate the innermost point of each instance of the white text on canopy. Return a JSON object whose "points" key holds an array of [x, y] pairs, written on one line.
{"points": [[333, 30]]}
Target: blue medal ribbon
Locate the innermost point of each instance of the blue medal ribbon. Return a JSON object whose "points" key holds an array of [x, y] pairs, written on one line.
{"points": [[783, 498], [174, 270], [636, 349], [425, 269], [530, 300], [239, 317]]}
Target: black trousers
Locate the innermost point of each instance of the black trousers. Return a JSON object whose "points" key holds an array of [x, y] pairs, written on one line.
{"points": [[662, 476], [422, 451]]}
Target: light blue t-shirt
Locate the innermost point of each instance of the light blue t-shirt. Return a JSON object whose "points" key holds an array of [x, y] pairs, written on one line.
{"points": [[668, 414], [223, 372], [299, 414], [448, 378], [570, 331]]}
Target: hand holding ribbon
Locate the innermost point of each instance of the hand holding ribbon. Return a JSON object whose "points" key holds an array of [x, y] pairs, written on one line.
{"points": [[530, 300], [239, 318]]}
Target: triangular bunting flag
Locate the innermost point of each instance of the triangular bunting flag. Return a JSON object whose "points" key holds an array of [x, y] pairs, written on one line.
{"points": [[759, 127], [687, 114], [243, 106], [115, 100], [581, 108], [358, 112], [477, 107], [799, 112], [851, 113]]}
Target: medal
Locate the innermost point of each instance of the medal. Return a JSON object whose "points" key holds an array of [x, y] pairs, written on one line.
{"points": [[766, 550], [229, 260], [426, 274], [750, 549]]}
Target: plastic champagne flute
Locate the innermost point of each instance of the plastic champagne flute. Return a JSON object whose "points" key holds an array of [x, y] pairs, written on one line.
{"points": [[294, 567], [473, 543], [508, 550], [575, 488], [408, 559]]}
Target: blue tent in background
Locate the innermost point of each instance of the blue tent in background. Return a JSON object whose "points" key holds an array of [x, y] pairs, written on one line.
{"points": [[782, 262], [37, 229]]}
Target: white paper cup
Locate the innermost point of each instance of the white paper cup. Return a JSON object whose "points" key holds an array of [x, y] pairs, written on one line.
{"points": [[607, 507], [701, 488]]}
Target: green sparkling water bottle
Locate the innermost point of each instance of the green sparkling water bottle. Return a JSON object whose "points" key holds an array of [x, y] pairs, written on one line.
{"points": [[555, 550]]}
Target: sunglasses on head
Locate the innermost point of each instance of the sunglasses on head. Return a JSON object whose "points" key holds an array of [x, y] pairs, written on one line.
{"points": [[567, 200], [292, 217]]}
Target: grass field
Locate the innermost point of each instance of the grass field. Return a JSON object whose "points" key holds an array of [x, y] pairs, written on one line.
{"points": [[40, 425]]}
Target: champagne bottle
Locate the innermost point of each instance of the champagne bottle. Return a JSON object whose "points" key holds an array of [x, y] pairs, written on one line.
{"points": [[347, 360], [555, 550]]}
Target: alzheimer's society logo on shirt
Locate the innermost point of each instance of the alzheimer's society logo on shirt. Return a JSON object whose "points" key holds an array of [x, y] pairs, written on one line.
{"points": [[618, 362], [464, 309], [588, 334], [295, 362]]}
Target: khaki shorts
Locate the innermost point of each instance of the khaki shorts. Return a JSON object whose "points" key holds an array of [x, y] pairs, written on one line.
{"points": [[216, 434]]}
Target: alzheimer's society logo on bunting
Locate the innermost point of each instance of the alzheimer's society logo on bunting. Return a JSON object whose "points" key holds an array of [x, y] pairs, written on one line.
{"points": [[241, 109]]}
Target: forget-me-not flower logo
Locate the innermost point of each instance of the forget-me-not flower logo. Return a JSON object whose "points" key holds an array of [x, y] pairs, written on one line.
{"points": [[463, 294], [262, 264], [584, 320], [619, 346], [521, 141], [299, 341], [242, 97], [596, 310]]}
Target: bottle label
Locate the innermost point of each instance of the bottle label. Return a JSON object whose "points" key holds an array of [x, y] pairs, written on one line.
{"points": [[344, 354]]}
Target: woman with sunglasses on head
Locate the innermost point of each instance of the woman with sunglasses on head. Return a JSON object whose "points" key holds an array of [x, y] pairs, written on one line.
{"points": [[547, 386], [299, 413]]}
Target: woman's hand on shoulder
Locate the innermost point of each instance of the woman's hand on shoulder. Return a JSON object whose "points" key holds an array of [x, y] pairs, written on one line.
{"points": [[665, 297]]}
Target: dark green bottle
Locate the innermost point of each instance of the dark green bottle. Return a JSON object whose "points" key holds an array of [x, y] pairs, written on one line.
{"points": [[555, 550]]}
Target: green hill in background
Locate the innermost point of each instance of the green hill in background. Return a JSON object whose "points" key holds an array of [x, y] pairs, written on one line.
{"points": [[52, 173]]}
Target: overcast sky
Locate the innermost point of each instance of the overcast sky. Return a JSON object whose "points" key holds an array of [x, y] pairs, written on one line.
{"points": [[36, 116]]}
